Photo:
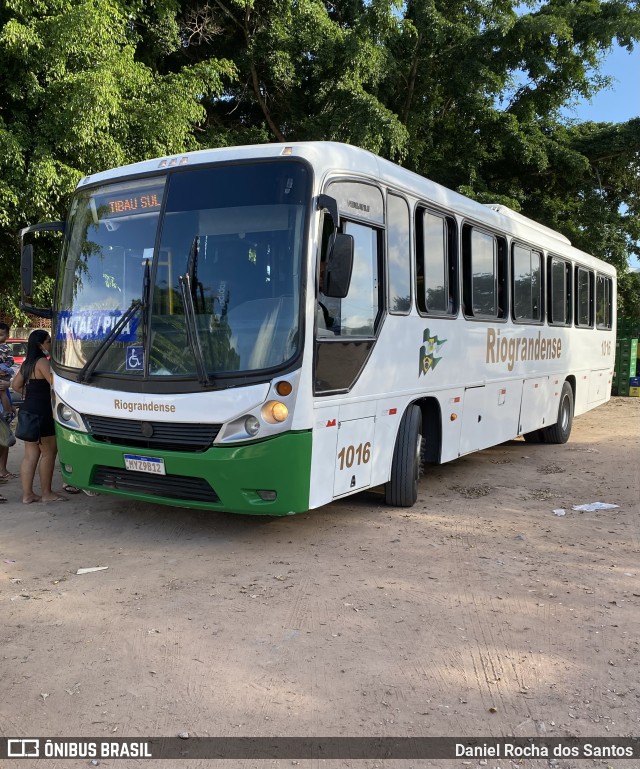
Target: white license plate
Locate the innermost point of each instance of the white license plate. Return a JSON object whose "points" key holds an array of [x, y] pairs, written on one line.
{"points": [[144, 464]]}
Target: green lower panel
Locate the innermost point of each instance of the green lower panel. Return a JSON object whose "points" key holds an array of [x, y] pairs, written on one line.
{"points": [[223, 478]]}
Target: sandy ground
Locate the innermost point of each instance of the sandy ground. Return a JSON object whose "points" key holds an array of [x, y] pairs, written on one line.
{"points": [[477, 612]]}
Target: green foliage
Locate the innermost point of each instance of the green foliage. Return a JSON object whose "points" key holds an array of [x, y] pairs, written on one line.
{"points": [[77, 99]]}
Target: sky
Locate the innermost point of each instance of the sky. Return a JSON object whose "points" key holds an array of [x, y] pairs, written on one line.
{"points": [[622, 101], [619, 103]]}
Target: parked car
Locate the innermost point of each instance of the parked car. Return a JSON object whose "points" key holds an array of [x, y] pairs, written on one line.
{"points": [[19, 350]]}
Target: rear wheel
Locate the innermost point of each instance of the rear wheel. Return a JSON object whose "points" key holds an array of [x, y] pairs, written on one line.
{"points": [[406, 468], [560, 432]]}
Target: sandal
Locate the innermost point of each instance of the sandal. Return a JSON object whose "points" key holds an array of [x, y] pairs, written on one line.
{"points": [[8, 477], [70, 489], [2, 499]]}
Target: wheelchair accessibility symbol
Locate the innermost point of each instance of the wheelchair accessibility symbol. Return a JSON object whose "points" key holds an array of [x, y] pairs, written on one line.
{"points": [[135, 358]]}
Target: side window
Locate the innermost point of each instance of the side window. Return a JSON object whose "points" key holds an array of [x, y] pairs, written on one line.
{"points": [[604, 301], [398, 255], [436, 263], [526, 271], [584, 297], [357, 313], [483, 274], [559, 288]]}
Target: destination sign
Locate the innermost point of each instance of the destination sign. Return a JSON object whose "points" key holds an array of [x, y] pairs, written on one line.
{"points": [[93, 325], [145, 200]]}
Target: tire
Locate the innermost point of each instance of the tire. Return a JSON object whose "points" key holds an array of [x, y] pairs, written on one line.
{"points": [[560, 432], [535, 437], [402, 488]]}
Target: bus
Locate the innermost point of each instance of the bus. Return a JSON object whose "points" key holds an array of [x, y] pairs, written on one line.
{"points": [[266, 329]]}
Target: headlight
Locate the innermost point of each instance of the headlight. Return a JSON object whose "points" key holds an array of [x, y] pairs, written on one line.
{"points": [[252, 425], [69, 417], [65, 413], [274, 412]]}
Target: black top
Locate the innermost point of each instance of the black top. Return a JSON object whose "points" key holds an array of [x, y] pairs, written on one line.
{"points": [[38, 397]]}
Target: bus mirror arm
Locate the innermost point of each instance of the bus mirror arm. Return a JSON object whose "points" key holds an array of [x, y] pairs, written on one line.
{"points": [[26, 267], [26, 280], [331, 205]]}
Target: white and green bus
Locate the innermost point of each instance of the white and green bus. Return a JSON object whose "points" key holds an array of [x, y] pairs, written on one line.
{"points": [[266, 329]]}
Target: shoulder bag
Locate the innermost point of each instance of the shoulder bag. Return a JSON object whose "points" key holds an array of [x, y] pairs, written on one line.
{"points": [[28, 428], [7, 438]]}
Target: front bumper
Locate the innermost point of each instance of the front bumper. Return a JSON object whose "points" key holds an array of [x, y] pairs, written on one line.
{"points": [[226, 478]]}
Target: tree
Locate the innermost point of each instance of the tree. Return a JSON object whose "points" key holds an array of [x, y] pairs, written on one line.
{"points": [[76, 99], [480, 88]]}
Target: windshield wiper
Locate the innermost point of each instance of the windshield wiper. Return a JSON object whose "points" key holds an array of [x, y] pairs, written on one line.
{"points": [[190, 314], [89, 367], [146, 292]]}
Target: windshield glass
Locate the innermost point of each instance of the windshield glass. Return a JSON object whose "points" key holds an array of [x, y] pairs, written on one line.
{"points": [[228, 246]]}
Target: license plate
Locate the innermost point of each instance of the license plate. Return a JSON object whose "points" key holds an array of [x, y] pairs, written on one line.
{"points": [[144, 464]]}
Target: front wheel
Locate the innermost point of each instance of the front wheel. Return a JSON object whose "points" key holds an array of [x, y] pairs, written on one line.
{"points": [[560, 432], [402, 488]]}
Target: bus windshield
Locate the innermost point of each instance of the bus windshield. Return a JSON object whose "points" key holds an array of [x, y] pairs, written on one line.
{"points": [[212, 254]]}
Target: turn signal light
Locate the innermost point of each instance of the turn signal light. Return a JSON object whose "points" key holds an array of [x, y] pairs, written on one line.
{"points": [[284, 388]]}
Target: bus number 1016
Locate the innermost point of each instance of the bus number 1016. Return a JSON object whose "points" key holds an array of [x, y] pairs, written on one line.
{"points": [[360, 455]]}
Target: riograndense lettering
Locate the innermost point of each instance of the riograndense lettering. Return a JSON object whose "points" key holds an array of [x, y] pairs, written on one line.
{"points": [[132, 406], [502, 349]]}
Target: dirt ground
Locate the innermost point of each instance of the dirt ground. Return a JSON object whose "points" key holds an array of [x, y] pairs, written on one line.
{"points": [[479, 612]]}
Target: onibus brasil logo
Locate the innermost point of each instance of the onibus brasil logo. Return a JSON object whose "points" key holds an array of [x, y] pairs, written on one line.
{"points": [[428, 352]]}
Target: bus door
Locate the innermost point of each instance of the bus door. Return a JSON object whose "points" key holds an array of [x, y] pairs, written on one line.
{"points": [[354, 449], [342, 455]]}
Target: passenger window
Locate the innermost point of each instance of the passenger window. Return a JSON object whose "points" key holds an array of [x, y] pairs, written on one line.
{"points": [[398, 255], [559, 288], [584, 297], [484, 274], [436, 263], [604, 301], [526, 270]]}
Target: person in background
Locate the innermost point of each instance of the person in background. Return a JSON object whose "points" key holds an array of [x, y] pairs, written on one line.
{"points": [[6, 372], [5, 475], [7, 411], [35, 378]]}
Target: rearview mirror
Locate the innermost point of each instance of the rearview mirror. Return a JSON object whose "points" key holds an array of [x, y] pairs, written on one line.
{"points": [[26, 267], [339, 267]]}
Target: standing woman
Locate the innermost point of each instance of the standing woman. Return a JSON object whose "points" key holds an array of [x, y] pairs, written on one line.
{"points": [[35, 378]]}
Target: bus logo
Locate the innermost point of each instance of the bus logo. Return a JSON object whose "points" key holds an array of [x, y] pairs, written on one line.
{"points": [[428, 352]]}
